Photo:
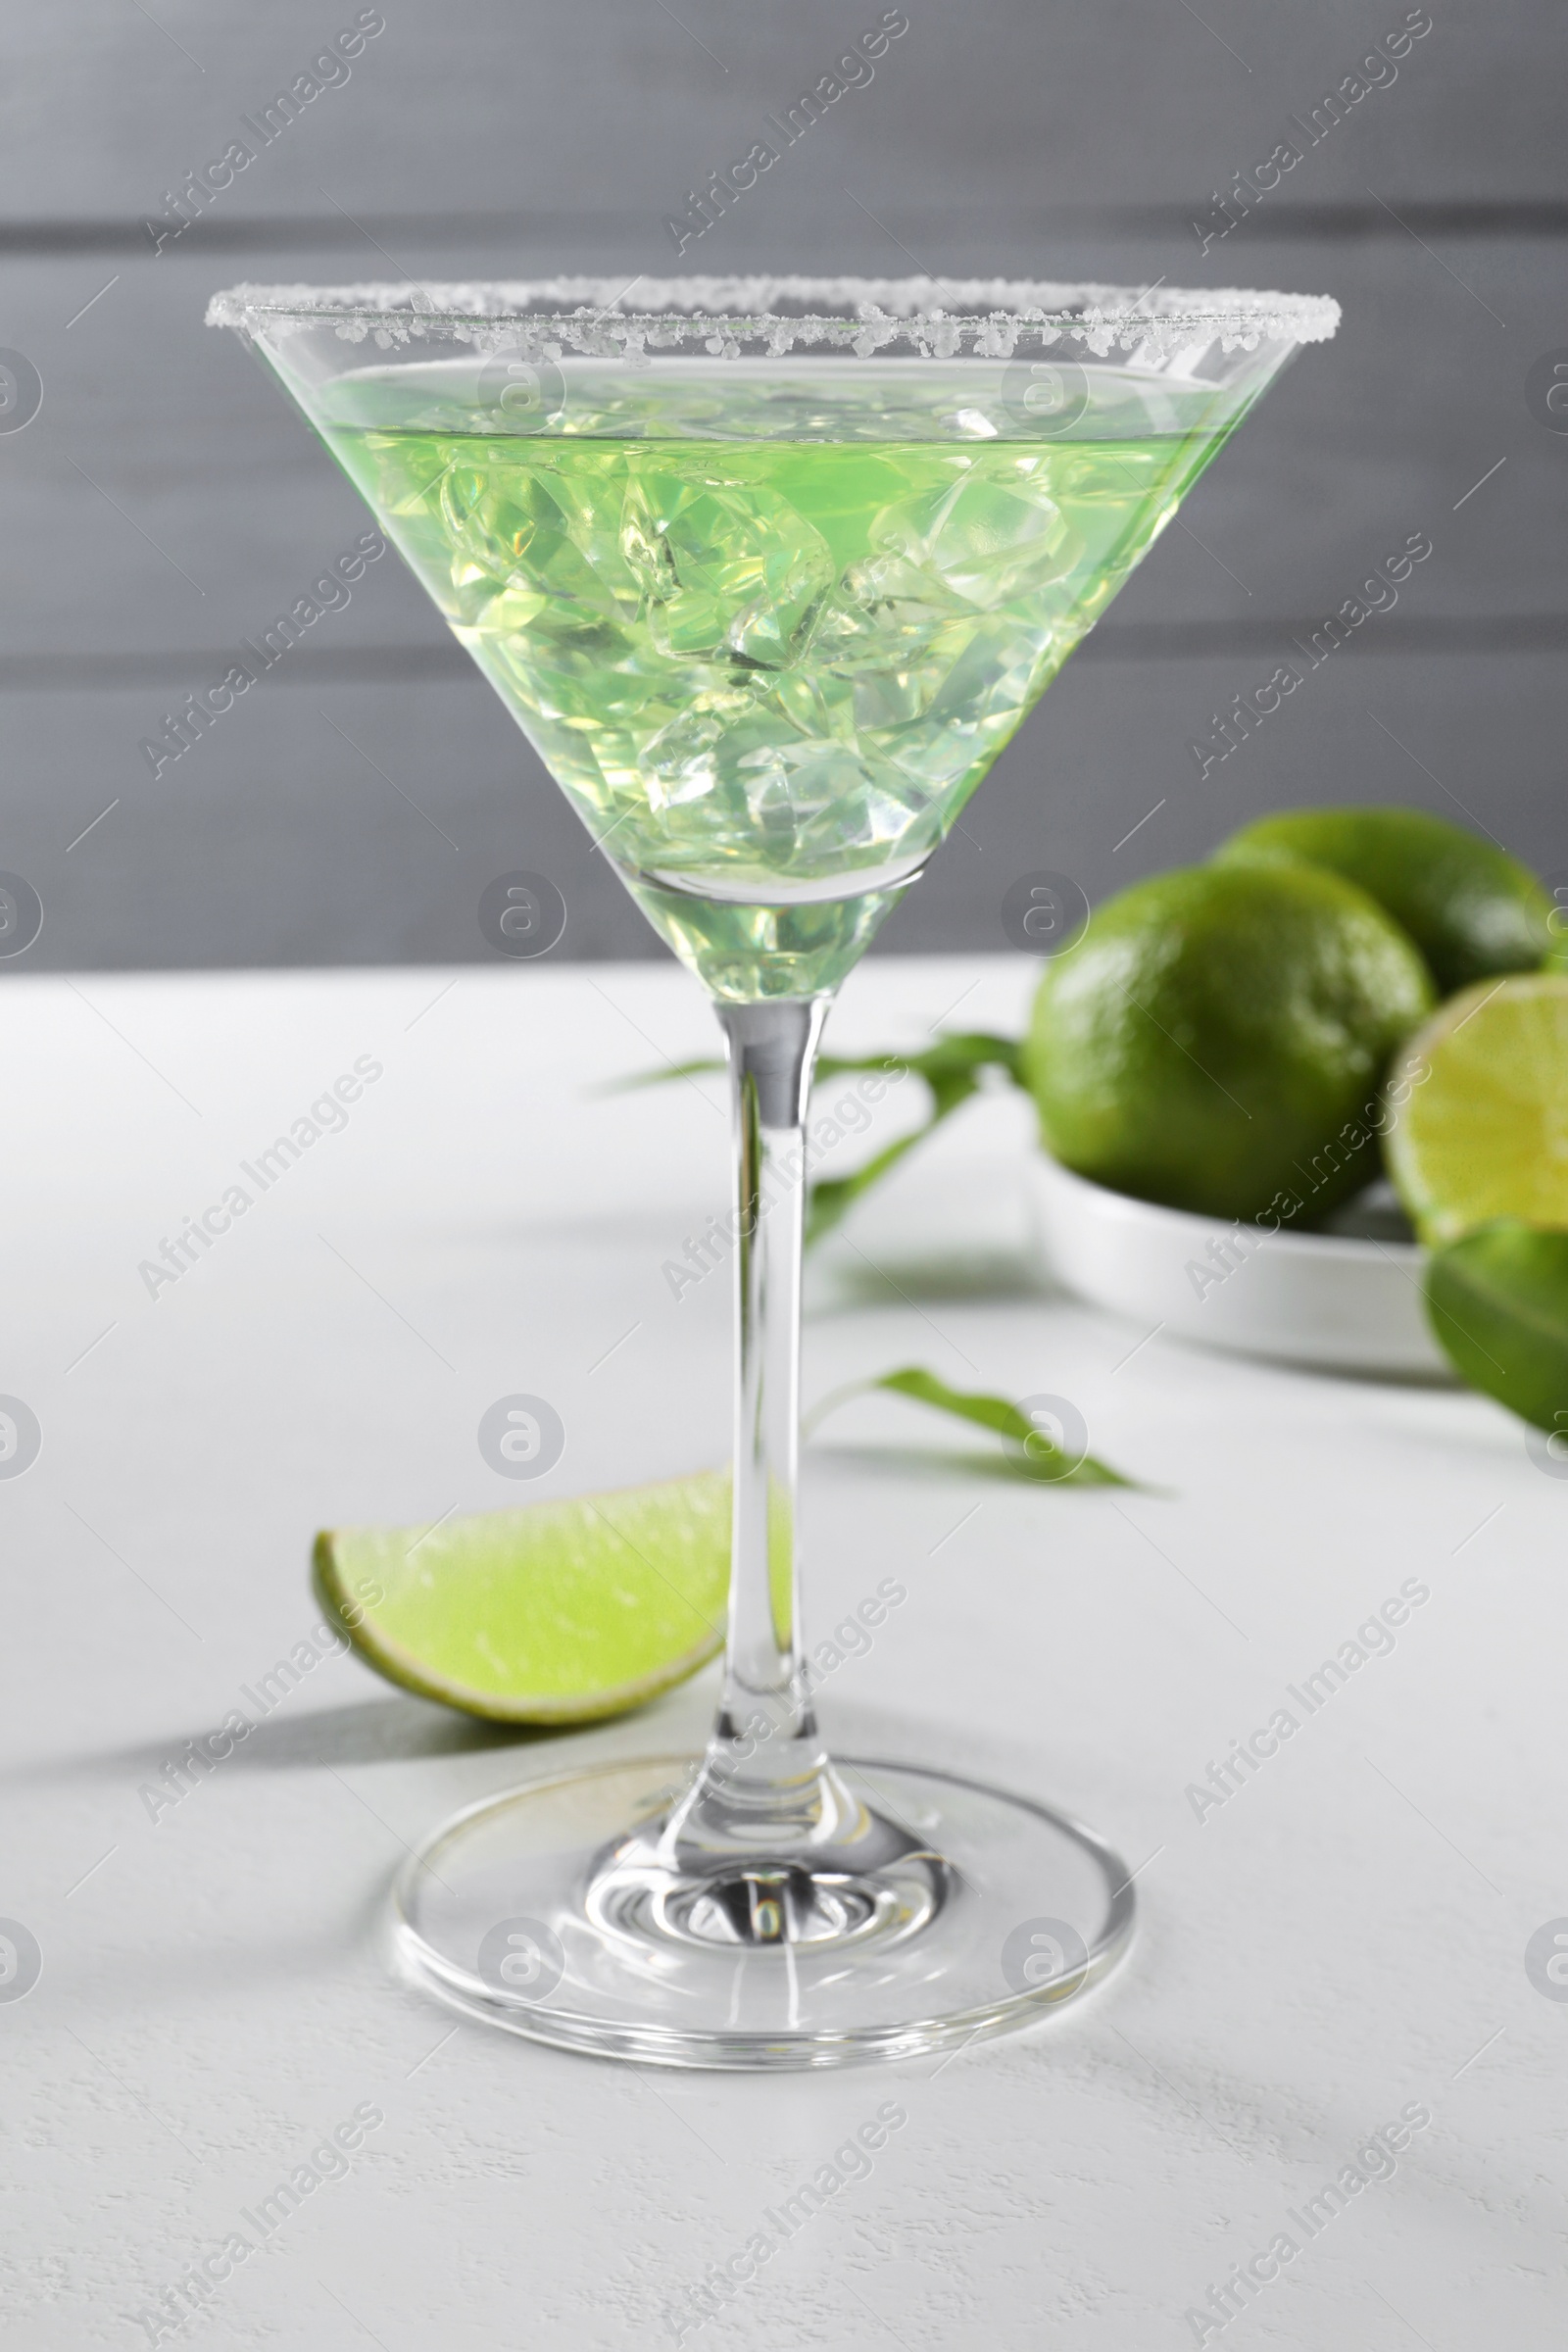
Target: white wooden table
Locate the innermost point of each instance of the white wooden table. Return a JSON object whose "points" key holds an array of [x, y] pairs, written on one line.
{"points": [[1340, 1942]]}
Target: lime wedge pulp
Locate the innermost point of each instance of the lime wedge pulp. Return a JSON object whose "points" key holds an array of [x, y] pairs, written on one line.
{"points": [[1479, 1100], [562, 1612]]}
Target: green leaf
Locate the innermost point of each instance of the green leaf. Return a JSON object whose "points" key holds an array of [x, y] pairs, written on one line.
{"points": [[1032, 1454], [951, 1069], [832, 1196], [1497, 1301], [636, 1079]]}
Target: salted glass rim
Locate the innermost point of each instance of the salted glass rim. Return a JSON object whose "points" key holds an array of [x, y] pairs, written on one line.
{"points": [[943, 316]]}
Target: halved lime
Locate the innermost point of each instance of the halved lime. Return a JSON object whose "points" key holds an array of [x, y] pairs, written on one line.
{"points": [[1480, 1109], [562, 1612]]}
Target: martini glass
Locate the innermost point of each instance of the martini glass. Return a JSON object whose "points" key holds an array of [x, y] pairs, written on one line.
{"points": [[769, 571]]}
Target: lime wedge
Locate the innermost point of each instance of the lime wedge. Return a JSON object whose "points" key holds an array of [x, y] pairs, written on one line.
{"points": [[562, 1612], [1480, 1109]]}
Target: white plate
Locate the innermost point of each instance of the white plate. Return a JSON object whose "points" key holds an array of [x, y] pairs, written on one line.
{"points": [[1349, 1299]]}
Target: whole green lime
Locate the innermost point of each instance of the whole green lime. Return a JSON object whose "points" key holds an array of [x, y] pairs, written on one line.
{"points": [[1471, 909], [1218, 1037]]}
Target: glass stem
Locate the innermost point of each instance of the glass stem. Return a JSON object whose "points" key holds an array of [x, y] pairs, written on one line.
{"points": [[771, 1845], [765, 1717]]}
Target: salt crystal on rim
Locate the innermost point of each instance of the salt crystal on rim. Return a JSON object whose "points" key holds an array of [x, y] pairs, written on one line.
{"points": [[944, 317]]}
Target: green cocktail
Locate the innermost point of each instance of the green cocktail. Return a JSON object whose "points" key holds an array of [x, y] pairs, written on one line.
{"points": [[769, 571], [767, 666]]}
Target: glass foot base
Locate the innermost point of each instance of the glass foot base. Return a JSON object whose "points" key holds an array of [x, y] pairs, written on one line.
{"points": [[957, 1912]]}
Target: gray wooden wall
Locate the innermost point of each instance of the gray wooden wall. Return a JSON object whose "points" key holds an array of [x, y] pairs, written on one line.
{"points": [[165, 501]]}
